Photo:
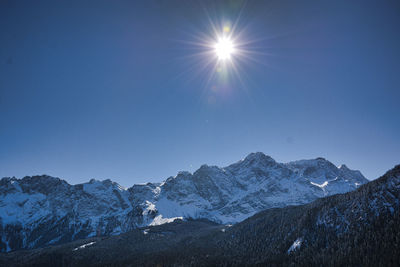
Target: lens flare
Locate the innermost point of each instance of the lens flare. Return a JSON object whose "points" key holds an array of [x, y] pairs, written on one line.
{"points": [[222, 51]]}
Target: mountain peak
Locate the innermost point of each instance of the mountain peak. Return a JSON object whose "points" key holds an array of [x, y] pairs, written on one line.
{"points": [[206, 169], [343, 167], [258, 157], [204, 166], [184, 173], [44, 179], [396, 168]]}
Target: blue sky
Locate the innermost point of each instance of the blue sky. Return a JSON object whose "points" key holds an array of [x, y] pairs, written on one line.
{"points": [[114, 89]]}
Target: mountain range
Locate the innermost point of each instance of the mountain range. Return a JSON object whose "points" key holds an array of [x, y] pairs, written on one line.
{"points": [[358, 228], [39, 211]]}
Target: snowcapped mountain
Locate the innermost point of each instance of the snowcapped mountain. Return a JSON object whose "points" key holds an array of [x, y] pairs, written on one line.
{"points": [[359, 228], [41, 210], [233, 193]]}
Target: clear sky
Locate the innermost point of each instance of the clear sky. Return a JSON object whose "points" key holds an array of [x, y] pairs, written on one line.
{"points": [[117, 89]]}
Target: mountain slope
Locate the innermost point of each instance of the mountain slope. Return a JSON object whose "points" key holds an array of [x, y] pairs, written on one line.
{"points": [[41, 210], [358, 228]]}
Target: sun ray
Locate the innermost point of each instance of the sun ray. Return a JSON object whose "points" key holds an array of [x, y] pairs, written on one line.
{"points": [[221, 52]]}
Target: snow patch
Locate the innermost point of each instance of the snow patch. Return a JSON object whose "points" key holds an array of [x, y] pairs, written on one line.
{"points": [[160, 220], [295, 246], [323, 185], [84, 246], [150, 208]]}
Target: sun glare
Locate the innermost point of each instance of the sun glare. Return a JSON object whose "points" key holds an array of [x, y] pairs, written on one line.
{"points": [[224, 48], [221, 52]]}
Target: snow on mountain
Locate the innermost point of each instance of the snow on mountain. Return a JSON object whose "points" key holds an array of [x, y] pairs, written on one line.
{"points": [[41, 210]]}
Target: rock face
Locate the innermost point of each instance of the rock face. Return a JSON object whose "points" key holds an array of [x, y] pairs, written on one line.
{"points": [[358, 228], [41, 210]]}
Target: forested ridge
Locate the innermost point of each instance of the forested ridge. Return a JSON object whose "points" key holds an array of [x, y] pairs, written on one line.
{"points": [[359, 228]]}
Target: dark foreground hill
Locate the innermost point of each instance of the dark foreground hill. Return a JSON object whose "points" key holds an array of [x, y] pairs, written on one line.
{"points": [[360, 228]]}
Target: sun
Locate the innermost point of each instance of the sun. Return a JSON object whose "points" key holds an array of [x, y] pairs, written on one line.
{"points": [[221, 52], [224, 48]]}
